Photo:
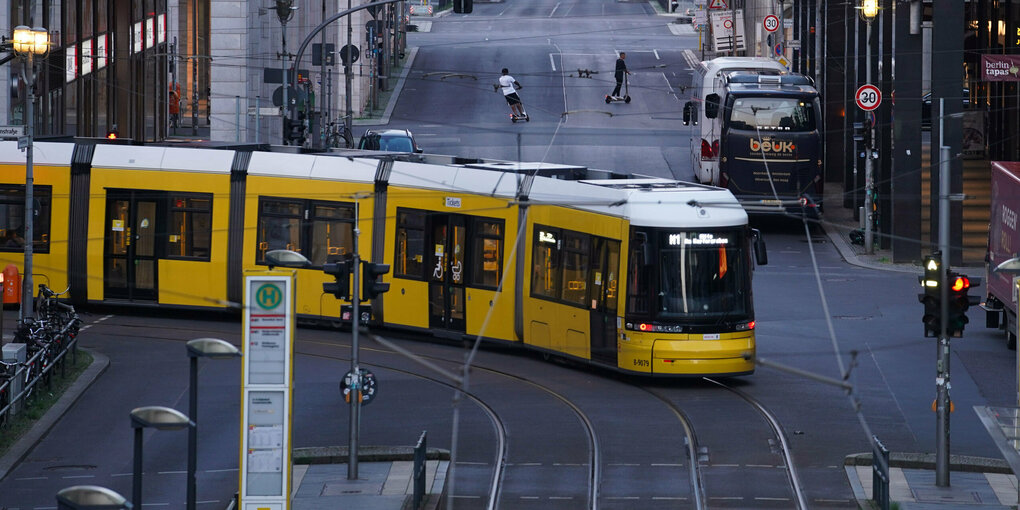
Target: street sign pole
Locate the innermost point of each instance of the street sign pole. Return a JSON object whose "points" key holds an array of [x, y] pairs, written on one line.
{"points": [[355, 423]]}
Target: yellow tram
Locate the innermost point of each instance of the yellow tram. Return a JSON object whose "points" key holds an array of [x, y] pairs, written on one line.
{"points": [[648, 276]]}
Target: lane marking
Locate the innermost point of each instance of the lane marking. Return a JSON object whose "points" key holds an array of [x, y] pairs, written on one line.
{"points": [[552, 62], [667, 465], [32, 478], [78, 476], [554, 12], [771, 499], [171, 472], [221, 470], [656, 52], [466, 497]]}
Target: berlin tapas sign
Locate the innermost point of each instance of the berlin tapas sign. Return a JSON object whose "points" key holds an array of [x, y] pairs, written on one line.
{"points": [[771, 22], [868, 97]]}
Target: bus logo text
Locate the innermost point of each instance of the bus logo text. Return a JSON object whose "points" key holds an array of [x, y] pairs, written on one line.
{"points": [[772, 146]]}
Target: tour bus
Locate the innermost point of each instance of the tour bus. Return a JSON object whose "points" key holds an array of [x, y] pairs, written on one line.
{"points": [[759, 130]]}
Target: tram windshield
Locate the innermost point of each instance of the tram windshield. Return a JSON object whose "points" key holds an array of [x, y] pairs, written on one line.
{"points": [[703, 275]]}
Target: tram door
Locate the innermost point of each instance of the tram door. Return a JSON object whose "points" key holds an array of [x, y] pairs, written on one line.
{"points": [[604, 283], [130, 247], [447, 243]]}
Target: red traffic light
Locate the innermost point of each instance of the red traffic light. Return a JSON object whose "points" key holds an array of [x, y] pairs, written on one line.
{"points": [[960, 283], [112, 135]]}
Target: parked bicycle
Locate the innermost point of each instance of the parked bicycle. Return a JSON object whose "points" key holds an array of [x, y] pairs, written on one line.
{"points": [[338, 135]]}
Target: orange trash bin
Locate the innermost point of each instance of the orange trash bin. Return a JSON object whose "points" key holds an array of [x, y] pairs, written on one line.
{"points": [[12, 284]]}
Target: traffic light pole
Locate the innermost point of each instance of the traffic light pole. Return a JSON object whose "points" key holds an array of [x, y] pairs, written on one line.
{"points": [[355, 393], [942, 386]]}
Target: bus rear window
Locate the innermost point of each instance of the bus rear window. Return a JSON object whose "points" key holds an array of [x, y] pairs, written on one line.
{"points": [[772, 114]]}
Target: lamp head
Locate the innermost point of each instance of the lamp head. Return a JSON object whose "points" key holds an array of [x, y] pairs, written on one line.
{"points": [[159, 417], [868, 9], [92, 497], [286, 258], [212, 348], [31, 40]]}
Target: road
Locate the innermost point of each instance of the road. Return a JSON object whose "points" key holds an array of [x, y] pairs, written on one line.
{"points": [[633, 438], [449, 103]]}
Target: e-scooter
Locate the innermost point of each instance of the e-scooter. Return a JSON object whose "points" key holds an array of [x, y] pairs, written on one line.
{"points": [[513, 116], [626, 94]]}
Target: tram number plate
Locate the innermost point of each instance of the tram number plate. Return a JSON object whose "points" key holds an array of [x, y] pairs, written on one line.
{"points": [[641, 363], [772, 201], [713, 336]]}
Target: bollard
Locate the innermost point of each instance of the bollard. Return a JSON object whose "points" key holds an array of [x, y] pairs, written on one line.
{"points": [[420, 460]]}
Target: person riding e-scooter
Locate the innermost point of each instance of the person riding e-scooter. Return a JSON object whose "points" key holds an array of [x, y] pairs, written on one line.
{"points": [[510, 86]]}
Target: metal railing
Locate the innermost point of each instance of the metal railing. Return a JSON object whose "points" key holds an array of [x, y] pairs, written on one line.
{"points": [[51, 339]]}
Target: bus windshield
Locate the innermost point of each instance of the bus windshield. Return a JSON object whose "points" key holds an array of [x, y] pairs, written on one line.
{"points": [[771, 114], [704, 275]]}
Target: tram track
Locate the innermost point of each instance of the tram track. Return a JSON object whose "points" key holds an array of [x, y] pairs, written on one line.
{"points": [[694, 415], [702, 494], [502, 463]]}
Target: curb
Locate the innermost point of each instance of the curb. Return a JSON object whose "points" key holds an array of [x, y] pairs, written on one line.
{"points": [[18, 450], [835, 234], [392, 102], [960, 463], [339, 454]]}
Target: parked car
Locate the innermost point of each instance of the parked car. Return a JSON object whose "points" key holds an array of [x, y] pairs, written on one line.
{"points": [[393, 140], [926, 107]]}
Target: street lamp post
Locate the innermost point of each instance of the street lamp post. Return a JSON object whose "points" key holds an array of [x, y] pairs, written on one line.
{"points": [[212, 348], [90, 497], [869, 10], [29, 42], [159, 418]]}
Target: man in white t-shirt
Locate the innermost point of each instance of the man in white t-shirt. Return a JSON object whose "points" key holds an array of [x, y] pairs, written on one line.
{"points": [[509, 86]]}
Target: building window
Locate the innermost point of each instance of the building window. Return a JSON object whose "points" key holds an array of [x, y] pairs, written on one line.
{"points": [[488, 253], [321, 231], [189, 234], [12, 218], [410, 244]]}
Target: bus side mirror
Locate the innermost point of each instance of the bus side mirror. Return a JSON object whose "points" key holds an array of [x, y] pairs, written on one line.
{"points": [[712, 106], [761, 255], [687, 113]]}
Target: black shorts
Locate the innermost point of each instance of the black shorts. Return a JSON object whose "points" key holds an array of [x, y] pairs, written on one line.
{"points": [[512, 99]]}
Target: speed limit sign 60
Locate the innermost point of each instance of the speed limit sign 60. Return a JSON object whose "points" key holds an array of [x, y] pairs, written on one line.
{"points": [[771, 22], [868, 97]]}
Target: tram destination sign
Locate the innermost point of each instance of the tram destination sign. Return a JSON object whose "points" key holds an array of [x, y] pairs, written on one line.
{"points": [[12, 131]]}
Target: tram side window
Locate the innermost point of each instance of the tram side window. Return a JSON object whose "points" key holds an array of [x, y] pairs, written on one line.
{"points": [[546, 259], [576, 252], [637, 278], [12, 218], [410, 244], [327, 231], [189, 235], [332, 232], [279, 227], [488, 253]]}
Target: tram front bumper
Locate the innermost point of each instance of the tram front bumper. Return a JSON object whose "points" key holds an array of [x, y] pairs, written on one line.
{"points": [[729, 354]]}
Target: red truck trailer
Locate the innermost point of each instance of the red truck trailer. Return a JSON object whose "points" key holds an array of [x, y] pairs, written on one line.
{"points": [[1003, 244]]}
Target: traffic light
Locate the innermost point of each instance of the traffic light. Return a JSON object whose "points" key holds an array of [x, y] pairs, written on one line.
{"points": [[113, 133], [463, 6], [341, 271], [371, 287], [959, 302], [931, 297]]}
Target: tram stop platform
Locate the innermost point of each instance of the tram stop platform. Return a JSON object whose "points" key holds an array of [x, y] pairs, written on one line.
{"points": [[385, 479]]}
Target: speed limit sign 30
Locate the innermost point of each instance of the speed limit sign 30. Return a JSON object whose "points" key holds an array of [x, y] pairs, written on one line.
{"points": [[771, 23], [868, 97]]}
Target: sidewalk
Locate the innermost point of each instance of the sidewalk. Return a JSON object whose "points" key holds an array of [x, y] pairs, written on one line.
{"points": [[975, 482]]}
